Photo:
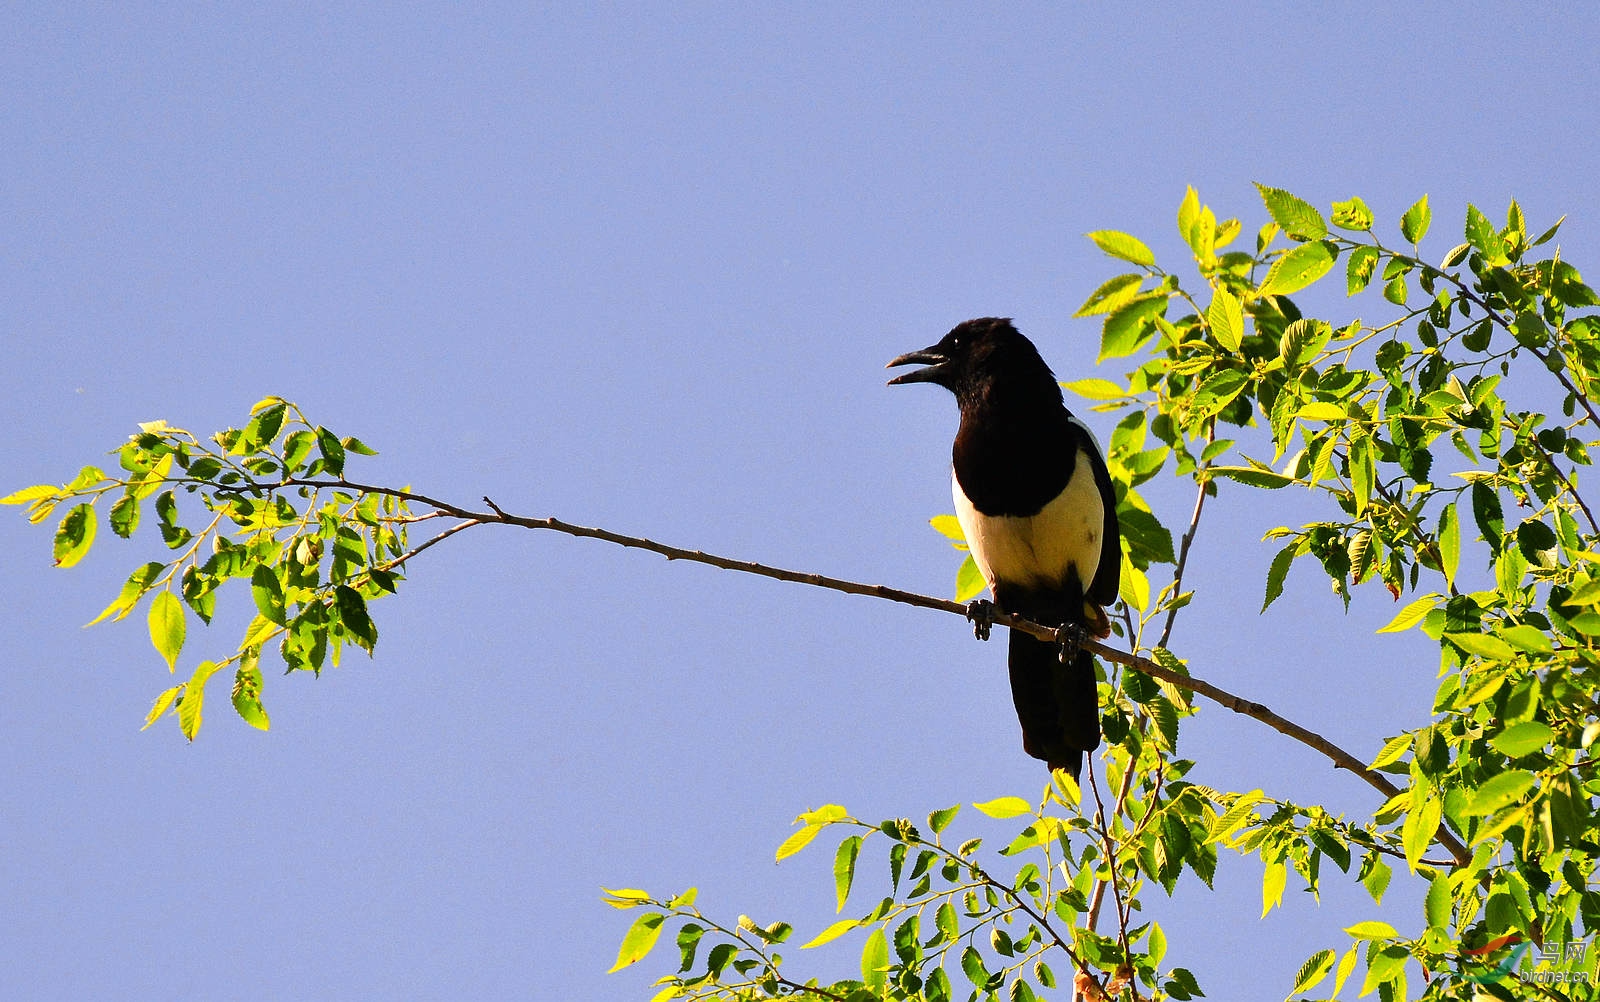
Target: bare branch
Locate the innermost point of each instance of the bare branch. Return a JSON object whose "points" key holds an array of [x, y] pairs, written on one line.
{"points": [[496, 515]]}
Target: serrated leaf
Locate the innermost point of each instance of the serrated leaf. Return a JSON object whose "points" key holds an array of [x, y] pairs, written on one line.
{"points": [[1372, 929], [27, 494], [1523, 738], [797, 841], [938, 821], [1436, 906], [1392, 750], [969, 580], [844, 868], [247, 694], [1499, 791], [132, 590], [1414, 224], [832, 933], [1273, 881], [75, 535], [1482, 644], [1352, 215], [1322, 410], [1295, 215], [1096, 389], [1123, 247], [949, 527], [1419, 829], [1237, 816], [1297, 268], [1252, 477], [625, 897], [167, 627], [1005, 807], [332, 452], [267, 591], [163, 703], [1358, 269], [1313, 971], [1226, 318], [1278, 572], [353, 614], [194, 695], [1128, 326], [1412, 614], [1449, 543], [1112, 293], [639, 940], [875, 960]]}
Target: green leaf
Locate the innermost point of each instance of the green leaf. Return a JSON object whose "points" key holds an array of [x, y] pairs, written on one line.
{"points": [[194, 695], [1449, 543], [1253, 477], [1392, 750], [1420, 826], [1313, 971], [1123, 247], [247, 694], [1358, 269], [1217, 392], [35, 493], [132, 590], [938, 821], [1482, 644], [1237, 817], [162, 705], [1526, 638], [797, 841], [1128, 326], [639, 940], [1005, 807], [1372, 929], [332, 452], [949, 527], [75, 535], [1437, 904], [1523, 738], [1298, 217], [353, 613], [1112, 293], [1096, 389], [1486, 511], [1352, 215], [267, 591], [1322, 410], [1412, 614], [167, 627], [969, 580], [625, 897], [124, 516], [875, 961], [1482, 234], [1226, 318], [844, 868], [1298, 268], [1278, 572], [1499, 791], [832, 933], [1414, 224], [972, 966], [1273, 881]]}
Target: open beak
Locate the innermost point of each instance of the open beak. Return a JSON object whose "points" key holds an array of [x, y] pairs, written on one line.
{"points": [[935, 361]]}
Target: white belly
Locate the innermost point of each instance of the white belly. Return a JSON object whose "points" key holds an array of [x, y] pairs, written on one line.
{"points": [[1039, 551]]}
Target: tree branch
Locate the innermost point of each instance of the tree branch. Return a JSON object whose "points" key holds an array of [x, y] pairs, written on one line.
{"points": [[496, 515]]}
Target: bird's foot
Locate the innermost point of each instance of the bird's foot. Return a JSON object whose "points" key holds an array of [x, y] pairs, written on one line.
{"points": [[981, 615], [1072, 637]]}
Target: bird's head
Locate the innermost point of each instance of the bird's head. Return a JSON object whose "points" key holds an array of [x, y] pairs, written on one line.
{"points": [[974, 355]]}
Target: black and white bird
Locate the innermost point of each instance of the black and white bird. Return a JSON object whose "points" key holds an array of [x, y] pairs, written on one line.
{"points": [[1039, 512]]}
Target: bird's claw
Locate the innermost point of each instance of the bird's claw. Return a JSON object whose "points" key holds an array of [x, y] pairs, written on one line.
{"points": [[1072, 637], [981, 615]]}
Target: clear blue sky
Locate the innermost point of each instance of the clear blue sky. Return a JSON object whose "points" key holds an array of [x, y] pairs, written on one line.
{"points": [[642, 268]]}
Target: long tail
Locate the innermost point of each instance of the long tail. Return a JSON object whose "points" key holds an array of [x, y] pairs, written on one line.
{"points": [[1057, 704]]}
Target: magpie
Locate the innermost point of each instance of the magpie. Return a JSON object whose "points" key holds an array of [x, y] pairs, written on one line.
{"points": [[1035, 501]]}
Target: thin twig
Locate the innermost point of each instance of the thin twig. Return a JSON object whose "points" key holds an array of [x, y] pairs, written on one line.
{"points": [[1183, 559], [1341, 758]]}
